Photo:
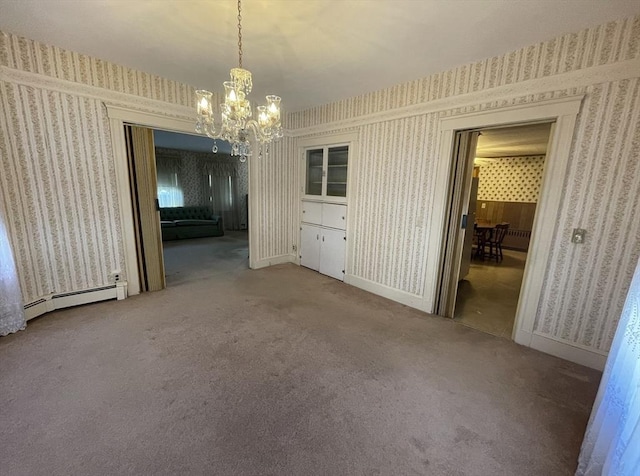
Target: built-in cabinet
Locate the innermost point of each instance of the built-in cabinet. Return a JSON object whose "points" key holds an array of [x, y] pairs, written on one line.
{"points": [[323, 237], [326, 171], [324, 210]]}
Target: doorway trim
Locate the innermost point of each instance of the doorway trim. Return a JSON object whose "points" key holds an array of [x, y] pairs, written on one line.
{"points": [[563, 112], [118, 117]]}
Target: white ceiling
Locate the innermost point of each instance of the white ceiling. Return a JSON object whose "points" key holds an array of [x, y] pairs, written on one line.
{"points": [[513, 141], [309, 52]]}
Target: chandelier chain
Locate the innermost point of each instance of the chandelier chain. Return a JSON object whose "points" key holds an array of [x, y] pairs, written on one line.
{"points": [[239, 35], [237, 121]]}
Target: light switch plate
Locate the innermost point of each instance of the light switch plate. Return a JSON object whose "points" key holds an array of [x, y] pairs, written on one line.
{"points": [[578, 235]]}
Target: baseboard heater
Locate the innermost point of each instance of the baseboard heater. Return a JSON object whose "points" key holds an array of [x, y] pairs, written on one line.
{"points": [[74, 298], [517, 240]]}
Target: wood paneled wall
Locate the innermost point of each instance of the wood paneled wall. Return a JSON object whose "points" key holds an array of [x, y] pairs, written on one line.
{"points": [[519, 215]]}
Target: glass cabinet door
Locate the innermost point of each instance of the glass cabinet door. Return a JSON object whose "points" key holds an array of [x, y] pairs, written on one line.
{"points": [[314, 172], [337, 162]]}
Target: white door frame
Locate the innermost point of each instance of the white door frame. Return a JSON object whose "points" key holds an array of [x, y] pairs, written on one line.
{"points": [[118, 116], [564, 112]]}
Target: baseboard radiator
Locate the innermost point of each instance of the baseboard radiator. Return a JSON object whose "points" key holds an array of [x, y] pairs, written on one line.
{"points": [[517, 240], [75, 298]]}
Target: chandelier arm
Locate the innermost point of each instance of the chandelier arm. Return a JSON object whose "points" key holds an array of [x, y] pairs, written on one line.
{"points": [[236, 124]]}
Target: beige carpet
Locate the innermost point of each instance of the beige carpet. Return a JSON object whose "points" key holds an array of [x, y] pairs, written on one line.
{"points": [[280, 371]]}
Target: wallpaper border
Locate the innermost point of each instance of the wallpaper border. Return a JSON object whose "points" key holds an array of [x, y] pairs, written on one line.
{"points": [[574, 79], [64, 86]]}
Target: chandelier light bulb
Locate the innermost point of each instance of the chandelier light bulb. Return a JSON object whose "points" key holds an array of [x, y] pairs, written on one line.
{"points": [[235, 121]]}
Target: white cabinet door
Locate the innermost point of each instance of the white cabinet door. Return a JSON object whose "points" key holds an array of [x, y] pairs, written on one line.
{"points": [[334, 216], [312, 212], [310, 246], [332, 253]]}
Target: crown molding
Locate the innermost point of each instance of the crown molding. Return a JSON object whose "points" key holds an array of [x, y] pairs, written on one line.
{"points": [[108, 96], [572, 80]]}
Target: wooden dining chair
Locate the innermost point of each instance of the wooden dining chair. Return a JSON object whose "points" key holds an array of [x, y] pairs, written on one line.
{"points": [[495, 242], [482, 237]]}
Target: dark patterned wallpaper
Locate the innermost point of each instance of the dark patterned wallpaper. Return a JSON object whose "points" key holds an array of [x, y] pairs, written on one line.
{"points": [[190, 175]]}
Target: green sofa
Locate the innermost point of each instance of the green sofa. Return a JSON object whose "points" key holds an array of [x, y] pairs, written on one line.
{"points": [[189, 222]]}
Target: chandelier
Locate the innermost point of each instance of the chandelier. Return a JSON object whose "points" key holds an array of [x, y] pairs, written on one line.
{"points": [[236, 123]]}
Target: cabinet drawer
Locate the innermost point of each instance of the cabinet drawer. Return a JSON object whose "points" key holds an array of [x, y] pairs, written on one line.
{"points": [[334, 216], [312, 212]]}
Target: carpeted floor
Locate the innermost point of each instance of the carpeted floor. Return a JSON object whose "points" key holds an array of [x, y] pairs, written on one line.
{"points": [[280, 371]]}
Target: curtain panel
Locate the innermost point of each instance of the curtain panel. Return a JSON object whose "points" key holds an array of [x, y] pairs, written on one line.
{"points": [[170, 193], [611, 444], [12, 317], [221, 188]]}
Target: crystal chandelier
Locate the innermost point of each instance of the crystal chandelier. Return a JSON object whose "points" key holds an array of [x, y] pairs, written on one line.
{"points": [[236, 113]]}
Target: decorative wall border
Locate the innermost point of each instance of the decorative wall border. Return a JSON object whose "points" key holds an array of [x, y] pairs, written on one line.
{"points": [[64, 86], [574, 79]]}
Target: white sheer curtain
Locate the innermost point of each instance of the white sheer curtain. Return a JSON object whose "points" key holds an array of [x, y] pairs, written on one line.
{"points": [[220, 182], [11, 309], [611, 444], [169, 188]]}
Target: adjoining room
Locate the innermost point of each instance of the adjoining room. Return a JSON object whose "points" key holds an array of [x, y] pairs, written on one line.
{"points": [[505, 189], [203, 201]]}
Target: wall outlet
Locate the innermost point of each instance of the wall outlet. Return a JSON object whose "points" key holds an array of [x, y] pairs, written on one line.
{"points": [[115, 277], [578, 235], [294, 247]]}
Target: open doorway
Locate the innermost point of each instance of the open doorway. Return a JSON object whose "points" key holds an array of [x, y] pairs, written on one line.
{"points": [[190, 208], [203, 200], [499, 179], [506, 182]]}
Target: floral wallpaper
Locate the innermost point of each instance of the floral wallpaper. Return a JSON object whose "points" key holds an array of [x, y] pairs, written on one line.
{"points": [[390, 198], [190, 167], [510, 179], [58, 180]]}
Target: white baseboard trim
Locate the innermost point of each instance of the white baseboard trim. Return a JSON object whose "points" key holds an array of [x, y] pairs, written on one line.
{"points": [[568, 351], [403, 297], [563, 349], [273, 260], [60, 301]]}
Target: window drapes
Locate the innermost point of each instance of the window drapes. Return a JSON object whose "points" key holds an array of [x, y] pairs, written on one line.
{"points": [[12, 317], [170, 192], [221, 189], [611, 444], [218, 181]]}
